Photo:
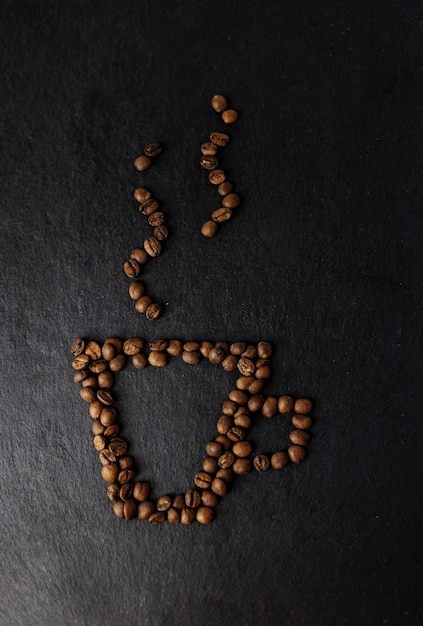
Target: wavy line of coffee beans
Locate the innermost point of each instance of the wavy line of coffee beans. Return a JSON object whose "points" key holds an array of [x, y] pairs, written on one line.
{"points": [[227, 455]]}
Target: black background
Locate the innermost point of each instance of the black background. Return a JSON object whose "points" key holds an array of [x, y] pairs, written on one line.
{"points": [[322, 259]]}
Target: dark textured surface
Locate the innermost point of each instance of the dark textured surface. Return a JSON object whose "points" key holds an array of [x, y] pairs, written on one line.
{"points": [[323, 259]]}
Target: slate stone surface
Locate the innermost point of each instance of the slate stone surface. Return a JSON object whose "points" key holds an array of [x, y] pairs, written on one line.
{"points": [[323, 259]]}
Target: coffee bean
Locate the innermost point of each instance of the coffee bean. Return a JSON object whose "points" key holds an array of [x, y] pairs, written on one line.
{"points": [[108, 351], [142, 491], [126, 491], [209, 498], [235, 433], [219, 487], [106, 456], [117, 363], [88, 394], [116, 342], [225, 441], [243, 420], [299, 437], [110, 472], [152, 246], [256, 386], [133, 346], [246, 366], [270, 407], [222, 215], [113, 492], [142, 304], [225, 188], [157, 359], [255, 403], [216, 177], [210, 465], [93, 350], [77, 347], [208, 229], [82, 360], [187, 515], [217, 355], [205, 514], [242, 466], [97, 427], [156, 219], [140, 361], [229, 407], [145, 509], [209, 148], [219, 103], [100, 442], [157, 518], [118, 509], [264, 350], [209, 162], [164, 503], [158, 345], [225, 474], [205, 347], [174, 347], [213, 448], [279, 459], [224, 423], [153, 149], [90, 381], [242, 448], [231, 201], [192, 498], [126, 475], [263, 372], [226, 460], [139, 255], [178, 502], [96, 367], [153, 311], [95, 409], [261, 463], [296, 453], [111, 431], [229, 116], [173, 516], [141, 194], [125, 462], [191, 346], [285, 404], [220, 139], [142, 163], [192, 358], [149, 206], [80, 375], [303, 422], [131, 268], [303, 406], [108, 416], [118, 446], [202, 480], [161, 233], [243, 382], [238, 396], [229, 363]]}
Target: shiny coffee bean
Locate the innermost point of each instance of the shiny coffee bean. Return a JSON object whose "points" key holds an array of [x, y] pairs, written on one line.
{"points": [[157, 359], [303, 422], [140, 361], [209, 162], [203, 480], [164, 503], [141, 194], [142, 491], [216, 177], [279, 459], [145, 509], [219, 103], [220, 139], [231, 201], [229, 116], [222, 215], [142, 304], [192, 498], [152, 150], [270, 407], [175, 347], [242, 448], [261, 463], [209, 148], [205, 514], [296, 453], [299, 437], [142, 163], [225, 188], [153, 311], [241, 466], [303, 406], [133, 346], [152, 246]]}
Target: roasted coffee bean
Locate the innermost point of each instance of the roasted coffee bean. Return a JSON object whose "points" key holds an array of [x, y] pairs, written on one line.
{"points": [[125, 476], [243, 420], [108, 351], [270, 407], [142, 491], [153, 149], [263, 372], [88, 394], [164, 503], [229, 116], [203, 480], [261, 362], [296, 453], [242, 448], [152, 246], [140, 256], [157, 518], [243, 382], [231, 201], [161, 233], [191, 346], [299, 437], [285, 404], [118, 509], [82, 360], [93, 350], [279, 459], [141, 194], [219, 487], [173, 516], [303, 422], [116, 342], [142, 163], [224, 423], [236, 433], [156, 219], [229, 363], [256, 386], [225, 474], [209, 148], [255, 403], [238, 396], [117, 363], [229, 407], [133, 346], [111, 431], [210, 465], [157, 359], [225, 188], [153, 311], [250, 352], [174, 347], [238, 348], [106, 456], [205, 514], [209, 228], [219, 103], [209, 498], [226, 460], [142, 304], [223, 439], [222, 344], [246, 366], [217, 355], [220, 139], [118, 446], [129, 510], [145, 509], [158, 345], [125, 462], [96, 367], [139, 361], [149, 206], [126, 491], [105, 380], [131, 268], [187, 515], [209, 162], [80, 375], [214, 448], [110, 472], [77, 347], [97, 427], [303, 406], [95, 409], [108, 416], [261, 463], [241, 466], [113, 492], [90, 381], [178, 502], [192, 358], [192, 498], [100, 442], [205, 347], [264, 350], [216, 177], [222, 215]]}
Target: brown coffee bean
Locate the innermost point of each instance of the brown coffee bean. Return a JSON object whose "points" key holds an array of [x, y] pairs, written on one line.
{"points": [[279, 459], [118, 446], [142, 304], [205, 514], [209, 229], [263, 372], [100, 442], [141, 194], [145, 509], [256, 386], [153, 149], [261, 463], [235, 433], [118, 509], [296, 453], [153, 311], [205, 347], [223, 439], [299, 437], [140, 256], [90, 381], [117, 363], [219, 487], [131, 268], [209, 498], [161, 233], [226, 460], [209, 148], [219, 103], [106, 456], [243, 420], [77, 347], [229, 407], [225, 188], [191, 346], [111, 431], [96, 367], [158, 345], [238, 396], [125, 492], [116, 342], [80, 375], [157, 359], [229, 116], [242, 466], [255, 403], [250, 352], [192, 358], [238, 348], [108, 416], [139, 361], [224, 423], [285, 404], [110, 472], [217, 355], [113, 492], [220, 139], [125, 462], [148, 207], [243, 382], [264, 350], [209, 162], [192, 498], [262, 362], [125, 476], [174, 347], [93, 350], [214, 448], [142, 491], [97, 427], [303, 422], [303, 406], [152, 246], [210, 465], [231, 201], [225, 474], [246, 366], [129, 509], [242, 448], [133, 346], [156, 219], [108, 351], [164, 503], [229, 363], [157, 518], [88, 394], [222, 215], [82, 360], [173, 516], [179, 502], [142, 163], [105, 380], [216, 177], [270, 407], [203, 480], [187, 515], [95, 409]]}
